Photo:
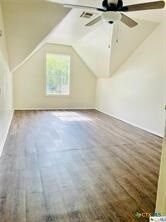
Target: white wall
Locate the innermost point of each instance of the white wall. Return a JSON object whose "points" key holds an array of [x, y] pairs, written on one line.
{"points": [[136, 92], [29, 83], [5, 88]]}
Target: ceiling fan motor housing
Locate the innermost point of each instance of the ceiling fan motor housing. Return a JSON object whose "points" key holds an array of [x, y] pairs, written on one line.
{"points": [[111, 17]]}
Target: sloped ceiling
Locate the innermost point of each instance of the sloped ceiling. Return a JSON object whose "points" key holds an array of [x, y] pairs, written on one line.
{"points": [[72, 28], [93, 43], [95, 50], [104, 51], [27, 23], [31, 23], [126, 40]]}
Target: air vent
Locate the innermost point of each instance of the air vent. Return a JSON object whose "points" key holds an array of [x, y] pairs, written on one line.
{"points": [[86, 15]]}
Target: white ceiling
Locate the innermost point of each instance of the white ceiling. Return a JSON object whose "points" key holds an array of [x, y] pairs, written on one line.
{"points": [[149, 15], [27, 23], [72, 28], [79, 2], [91, 43], [95, 50], [103, 54]]}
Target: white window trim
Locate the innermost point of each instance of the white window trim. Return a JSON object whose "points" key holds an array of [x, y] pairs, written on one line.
{"points": [[56, 94]]}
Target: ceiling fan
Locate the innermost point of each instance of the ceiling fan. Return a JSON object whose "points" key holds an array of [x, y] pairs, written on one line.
{"points": [[112, 11]]}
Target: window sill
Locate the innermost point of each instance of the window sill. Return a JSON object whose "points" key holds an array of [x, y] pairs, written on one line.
{"points": [[57, 95]]}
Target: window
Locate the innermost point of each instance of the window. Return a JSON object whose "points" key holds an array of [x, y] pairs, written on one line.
{"points": [[58, 74]]}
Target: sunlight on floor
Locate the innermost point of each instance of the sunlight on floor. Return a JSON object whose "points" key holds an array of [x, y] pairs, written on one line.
{"points": [[70, 116]]}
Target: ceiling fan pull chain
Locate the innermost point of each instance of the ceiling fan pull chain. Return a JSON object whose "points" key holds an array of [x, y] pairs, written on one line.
{"points": [[117, 34], [109, 36]]}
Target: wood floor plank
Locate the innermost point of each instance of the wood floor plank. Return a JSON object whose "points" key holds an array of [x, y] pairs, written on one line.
{"points": [[77, 166]]}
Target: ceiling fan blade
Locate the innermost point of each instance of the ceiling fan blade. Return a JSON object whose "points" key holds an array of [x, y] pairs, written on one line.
{"points": [[83, 7], [94, 21], [128, 21], [144, 6]]}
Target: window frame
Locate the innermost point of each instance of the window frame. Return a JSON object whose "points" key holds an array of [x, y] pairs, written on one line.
{"points": [[57, 94]]}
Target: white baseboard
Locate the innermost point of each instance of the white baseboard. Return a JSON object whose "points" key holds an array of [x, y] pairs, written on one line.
{"points": [[140, 127], [51, 109], [6, 133]]}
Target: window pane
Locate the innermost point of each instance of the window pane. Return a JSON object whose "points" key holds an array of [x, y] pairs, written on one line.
{"points": [[58, 74]]}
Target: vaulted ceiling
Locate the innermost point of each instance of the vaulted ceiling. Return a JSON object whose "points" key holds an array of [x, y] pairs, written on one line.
{"points": [[30, 24], [105, 49], [97, 45], [27, 23]]}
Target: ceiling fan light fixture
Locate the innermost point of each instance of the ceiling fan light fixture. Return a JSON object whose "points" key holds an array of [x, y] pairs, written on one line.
{"points": [[112, 11], [111, 16]]}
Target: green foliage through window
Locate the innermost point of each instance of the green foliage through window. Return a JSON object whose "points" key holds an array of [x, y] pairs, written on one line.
{"points": [[58, 74]]}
